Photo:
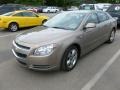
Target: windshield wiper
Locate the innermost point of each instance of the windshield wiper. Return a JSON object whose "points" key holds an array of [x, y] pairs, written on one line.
{"points": [[60, 28]]}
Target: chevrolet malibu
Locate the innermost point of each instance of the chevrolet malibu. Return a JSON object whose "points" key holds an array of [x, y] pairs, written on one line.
{"points": [[19, 19], [63, 39]]}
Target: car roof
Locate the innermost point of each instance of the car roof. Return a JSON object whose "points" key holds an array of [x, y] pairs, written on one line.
{"points": [[18, 11]]}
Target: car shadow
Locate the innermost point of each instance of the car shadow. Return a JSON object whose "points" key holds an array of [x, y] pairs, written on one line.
{"points": [[38, 72], [21, 29]]}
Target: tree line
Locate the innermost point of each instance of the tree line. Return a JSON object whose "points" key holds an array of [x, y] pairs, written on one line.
{"points": [[61, 3]]}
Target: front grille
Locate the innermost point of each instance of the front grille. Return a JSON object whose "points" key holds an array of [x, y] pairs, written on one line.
{"points": [[21, 46], [21, 55]]}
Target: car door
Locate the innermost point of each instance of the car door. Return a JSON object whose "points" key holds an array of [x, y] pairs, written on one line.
{"points": [[18, 17], [91, 35], [53, 9], [105, 23], [35, 20], [31, 18]]}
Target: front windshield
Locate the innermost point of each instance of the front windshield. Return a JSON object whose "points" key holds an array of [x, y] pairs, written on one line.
{"points": [[8, 14], [66, 20]]}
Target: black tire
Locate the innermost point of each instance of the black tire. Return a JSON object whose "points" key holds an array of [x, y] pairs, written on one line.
{"points": [[66, 60], [13, 27], [111, 37], [44, 21]]}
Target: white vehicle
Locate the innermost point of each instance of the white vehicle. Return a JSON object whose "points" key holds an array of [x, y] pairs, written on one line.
{"points": [[51, 10], [73, 8], [103, 6], [89, 7], [98, 6]]}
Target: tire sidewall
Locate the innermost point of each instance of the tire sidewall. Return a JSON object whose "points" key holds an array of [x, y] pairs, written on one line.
{"points": [[10, 25], [110, 41], [64, 66]]}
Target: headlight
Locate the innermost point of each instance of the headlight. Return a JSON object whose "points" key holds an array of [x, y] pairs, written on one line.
{"points": [[44, 50]]}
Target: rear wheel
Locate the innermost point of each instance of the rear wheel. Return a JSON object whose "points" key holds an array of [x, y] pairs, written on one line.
{"points": [[70, 58], [13, 27], [112, 36], [56, 11]]}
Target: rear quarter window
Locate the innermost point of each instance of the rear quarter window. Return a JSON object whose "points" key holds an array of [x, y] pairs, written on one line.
{"points": [[102, 17], [18, 14]]}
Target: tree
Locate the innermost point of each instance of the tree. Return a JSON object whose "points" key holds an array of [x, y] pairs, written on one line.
{"points": [[30, 2], [61, 3]]}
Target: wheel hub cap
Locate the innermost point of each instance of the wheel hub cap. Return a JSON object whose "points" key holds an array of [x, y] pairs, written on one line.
{"points": [[112, 36], [13, 27], [72, 58]]}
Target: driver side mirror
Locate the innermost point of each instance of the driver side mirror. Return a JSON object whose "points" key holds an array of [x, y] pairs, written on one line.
{"points": [[90, 25]]}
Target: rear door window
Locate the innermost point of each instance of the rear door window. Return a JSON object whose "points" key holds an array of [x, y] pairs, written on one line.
{"points": [[29, 14], [18, 14]]}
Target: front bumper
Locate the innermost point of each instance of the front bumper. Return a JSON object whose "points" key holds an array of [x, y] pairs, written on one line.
{"points": [[44, 63]]}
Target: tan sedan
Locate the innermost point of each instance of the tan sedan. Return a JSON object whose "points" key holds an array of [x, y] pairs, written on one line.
{"points": [[64, 38]]}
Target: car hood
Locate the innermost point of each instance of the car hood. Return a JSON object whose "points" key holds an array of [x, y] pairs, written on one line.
{"points": [[43, 36]]}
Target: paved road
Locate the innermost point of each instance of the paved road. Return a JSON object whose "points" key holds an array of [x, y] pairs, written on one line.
{"points": [[15, 77], [98, 70]]}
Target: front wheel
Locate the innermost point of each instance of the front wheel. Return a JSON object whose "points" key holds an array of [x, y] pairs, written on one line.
{"points": [[44, 21], [111, 37], [70, 58], [48, 11], [13, 27]]}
